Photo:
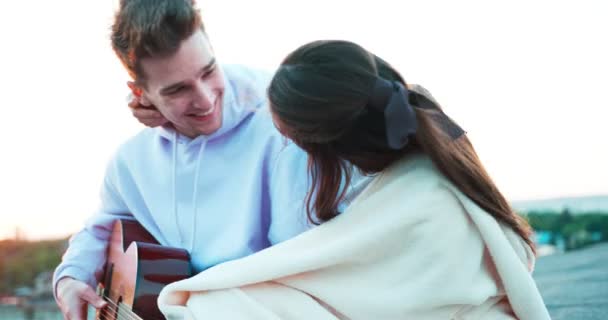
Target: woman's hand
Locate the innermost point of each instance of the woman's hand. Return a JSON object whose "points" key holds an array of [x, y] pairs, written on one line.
{"points": [[148, 116]]}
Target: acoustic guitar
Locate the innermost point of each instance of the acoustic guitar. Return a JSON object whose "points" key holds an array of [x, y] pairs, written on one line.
{"points": [[137, 268]]}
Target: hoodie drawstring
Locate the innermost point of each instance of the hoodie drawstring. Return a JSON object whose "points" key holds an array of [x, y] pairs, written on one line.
{"points": [[181, 241], [195, 192], [190, 248]]}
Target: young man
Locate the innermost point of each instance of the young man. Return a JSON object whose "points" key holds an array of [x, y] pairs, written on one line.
{"points": [[216, 180]]}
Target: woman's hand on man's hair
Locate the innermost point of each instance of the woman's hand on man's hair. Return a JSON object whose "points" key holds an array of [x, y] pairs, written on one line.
{"points": [[148, 116]]}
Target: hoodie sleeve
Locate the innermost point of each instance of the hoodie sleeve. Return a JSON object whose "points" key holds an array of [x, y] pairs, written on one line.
{"points": [[289, 184], [85, 256]]}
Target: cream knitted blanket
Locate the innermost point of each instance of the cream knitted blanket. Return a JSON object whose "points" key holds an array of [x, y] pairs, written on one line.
{"points": [[411, 246]]}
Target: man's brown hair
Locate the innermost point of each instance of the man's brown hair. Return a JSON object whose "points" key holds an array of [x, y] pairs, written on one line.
{"points": [[151, 28]]}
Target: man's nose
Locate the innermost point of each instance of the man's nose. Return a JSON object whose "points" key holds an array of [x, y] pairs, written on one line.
{"points": [[204, 96]]}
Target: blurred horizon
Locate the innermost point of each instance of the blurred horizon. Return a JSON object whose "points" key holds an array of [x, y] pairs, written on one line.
{"points": [[597, 203]]}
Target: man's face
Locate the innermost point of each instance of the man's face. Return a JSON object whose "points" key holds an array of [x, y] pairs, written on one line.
{"points": [[186, 87]]}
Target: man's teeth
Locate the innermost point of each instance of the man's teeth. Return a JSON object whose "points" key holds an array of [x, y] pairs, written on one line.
{"points": [[203, 114]]}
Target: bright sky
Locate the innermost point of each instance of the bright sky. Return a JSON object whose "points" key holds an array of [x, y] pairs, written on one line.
{"points": [[526, 79]]}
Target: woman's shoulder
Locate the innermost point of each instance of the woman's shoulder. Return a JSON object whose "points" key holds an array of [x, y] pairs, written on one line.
{"points": [[416, 171], [413, 185], [443, 203]]}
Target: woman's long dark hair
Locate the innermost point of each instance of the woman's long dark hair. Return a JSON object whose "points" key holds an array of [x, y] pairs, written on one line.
{"points": [[319, 99]]}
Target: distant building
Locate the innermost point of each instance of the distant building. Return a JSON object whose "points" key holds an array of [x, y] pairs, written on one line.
{"points": [[23, 292], [542, 237], [43, 284], [19, 236]]}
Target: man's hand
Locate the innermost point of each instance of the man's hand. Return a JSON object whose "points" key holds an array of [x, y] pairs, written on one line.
{"points": [[148, 116], [73, 296]]}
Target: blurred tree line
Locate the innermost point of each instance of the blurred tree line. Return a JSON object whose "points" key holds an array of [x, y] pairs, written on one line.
{"points": [[574, 229], [21, 261]]}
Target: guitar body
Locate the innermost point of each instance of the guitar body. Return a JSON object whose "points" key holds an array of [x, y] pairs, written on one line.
{"points": [[137, 269]]}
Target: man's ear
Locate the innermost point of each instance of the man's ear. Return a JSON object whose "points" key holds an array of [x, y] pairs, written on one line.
{"points": [[138, 92]]}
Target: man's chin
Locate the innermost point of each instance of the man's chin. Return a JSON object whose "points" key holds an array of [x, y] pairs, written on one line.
{"points": [[213, 124], [211, 128]]}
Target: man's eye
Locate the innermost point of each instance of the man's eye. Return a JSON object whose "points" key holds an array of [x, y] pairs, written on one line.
{"points": [[176, 91], [208, 73]]}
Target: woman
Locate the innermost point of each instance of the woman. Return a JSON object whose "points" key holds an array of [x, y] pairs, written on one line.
{"points": [[430, 236]]}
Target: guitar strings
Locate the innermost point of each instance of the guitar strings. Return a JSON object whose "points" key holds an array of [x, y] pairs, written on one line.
{"points": [[109, 313], [116, 309], [113, 315], [124, 308], [121, 313]]}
